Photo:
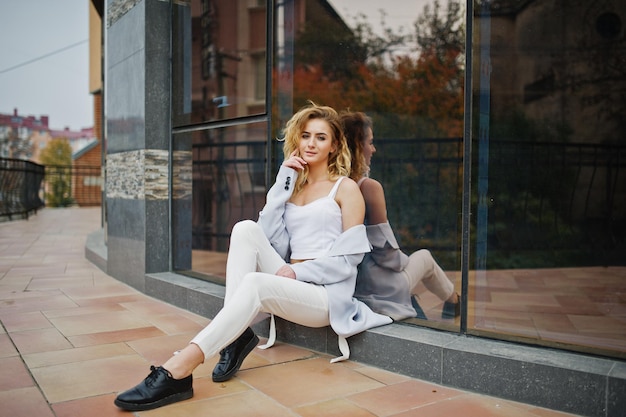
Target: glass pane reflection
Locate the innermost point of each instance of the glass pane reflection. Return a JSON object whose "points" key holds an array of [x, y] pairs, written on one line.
{"points": [[219, 60], [550, 173], [225, 183], [388, 60]]}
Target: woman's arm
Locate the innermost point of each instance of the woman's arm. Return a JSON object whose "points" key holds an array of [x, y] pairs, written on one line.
{"points": [[271, 217], [352, 205], [385, 249], [375, 206]]}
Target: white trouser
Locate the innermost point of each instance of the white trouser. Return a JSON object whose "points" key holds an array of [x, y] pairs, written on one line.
{"points": [[253, 289], [423, 268]]}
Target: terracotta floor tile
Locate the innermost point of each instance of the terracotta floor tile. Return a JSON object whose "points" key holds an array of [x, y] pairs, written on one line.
{"points": [[51, 283], [599, 324], [114, 336], [98, 323], [26, 295], [468, 405], [99, 406], [173, 323], [34, 303], [38, 360], [103, 291], [544, 412], [114, 299], [248, 403], [33, 341], [75, 380], [333, 408], [307, 381], [380, 375], [12, 285], [157, 350], [25, 321], [396, 398], [24, 402], [282, 352], [553, 322], [7, 348], [150, 307], [204, 387], [524, 299], [14, 374], [83, 311]]}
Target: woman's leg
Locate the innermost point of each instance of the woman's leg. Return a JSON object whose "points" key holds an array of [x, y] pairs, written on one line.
{"points": [[299, 302], [249, 251], [423, 268]]}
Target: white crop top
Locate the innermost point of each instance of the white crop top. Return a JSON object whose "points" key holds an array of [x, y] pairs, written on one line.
{"points": [[314, 227]]}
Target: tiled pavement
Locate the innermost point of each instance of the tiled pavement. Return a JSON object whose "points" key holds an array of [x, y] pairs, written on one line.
{"points": [[72, 337]]}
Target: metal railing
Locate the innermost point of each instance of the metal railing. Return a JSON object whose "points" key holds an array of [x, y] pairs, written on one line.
{"points": [[547, 203], [20, 184], [26, 187], [67, 185]]}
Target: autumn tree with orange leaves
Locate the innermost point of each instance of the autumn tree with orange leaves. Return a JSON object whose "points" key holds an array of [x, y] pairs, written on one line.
{"points": [[421, 86]]}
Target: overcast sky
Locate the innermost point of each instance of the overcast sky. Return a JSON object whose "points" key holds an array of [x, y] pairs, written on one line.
{"points": [[398, 12], [56, 85]]}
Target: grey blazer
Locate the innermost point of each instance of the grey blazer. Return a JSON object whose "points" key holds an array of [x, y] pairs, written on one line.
{"points": [[381, 284]]}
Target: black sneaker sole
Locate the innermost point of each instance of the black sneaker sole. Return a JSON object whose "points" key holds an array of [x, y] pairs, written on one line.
{"points": [[246, 351], [174, 398]]}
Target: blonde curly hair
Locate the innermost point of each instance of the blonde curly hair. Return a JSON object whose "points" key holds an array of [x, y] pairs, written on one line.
{"points": [[338, 161]]}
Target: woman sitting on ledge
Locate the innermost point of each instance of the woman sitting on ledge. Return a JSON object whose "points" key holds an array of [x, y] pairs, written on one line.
{"points": [[299, 262]]}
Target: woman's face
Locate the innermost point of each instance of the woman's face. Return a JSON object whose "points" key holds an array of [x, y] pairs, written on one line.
{"points": [[316, 142], [368, 146]]}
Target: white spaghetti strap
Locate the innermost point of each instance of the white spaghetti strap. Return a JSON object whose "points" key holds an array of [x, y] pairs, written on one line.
{"points": [[271, 339], [333, 192], [344, 348]]}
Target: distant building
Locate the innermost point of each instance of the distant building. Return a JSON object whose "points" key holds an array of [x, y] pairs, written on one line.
{"points": [[87, 175], [24, 137]]}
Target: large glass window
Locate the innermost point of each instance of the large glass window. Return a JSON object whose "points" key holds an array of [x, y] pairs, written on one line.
{"points": [[402, 63], [219, 180], [549, 189], [220, 135], [547, 226]]}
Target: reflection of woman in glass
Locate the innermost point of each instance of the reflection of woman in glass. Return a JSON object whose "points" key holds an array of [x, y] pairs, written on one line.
{"points": [[388, 279], [313, 217]]}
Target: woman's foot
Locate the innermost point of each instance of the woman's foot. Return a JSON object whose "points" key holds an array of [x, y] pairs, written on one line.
{"points": [[232, 356], [158, 389], [452, 307], [419, 312]]}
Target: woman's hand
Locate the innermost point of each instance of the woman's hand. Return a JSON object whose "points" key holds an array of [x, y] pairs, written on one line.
{"points": [[294, 161], [286, 271]]}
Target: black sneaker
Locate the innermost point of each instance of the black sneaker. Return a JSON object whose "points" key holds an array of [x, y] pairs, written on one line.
{"points": [[419, 313], [232, 356], [451, 310], [158, 389]]}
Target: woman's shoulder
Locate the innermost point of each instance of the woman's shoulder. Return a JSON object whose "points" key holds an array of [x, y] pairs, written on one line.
{"points": [[347, 184], [370, 185]]}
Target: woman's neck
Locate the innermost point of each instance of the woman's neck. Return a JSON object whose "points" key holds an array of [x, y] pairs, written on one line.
{"points": [[317, 174]]}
